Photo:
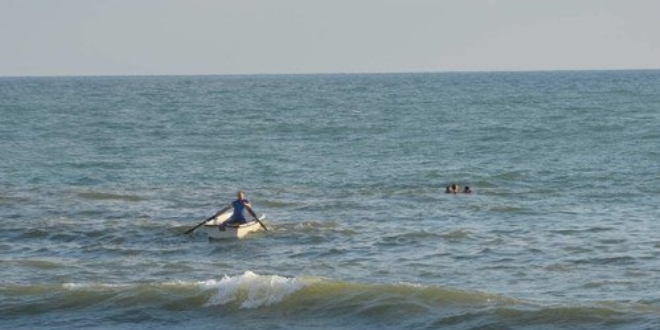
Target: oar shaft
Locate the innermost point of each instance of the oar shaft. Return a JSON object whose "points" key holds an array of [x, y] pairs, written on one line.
{"points": [[207, 220], [256, 218]]}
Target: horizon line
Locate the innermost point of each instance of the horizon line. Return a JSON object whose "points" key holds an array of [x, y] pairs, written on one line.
{"points": [[320, 73]]}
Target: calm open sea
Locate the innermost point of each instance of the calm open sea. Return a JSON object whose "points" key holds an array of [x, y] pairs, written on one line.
{"points": [[100, 176]]}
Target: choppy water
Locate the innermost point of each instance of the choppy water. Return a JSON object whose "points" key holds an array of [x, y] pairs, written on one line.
{"points": [[100, 176]]}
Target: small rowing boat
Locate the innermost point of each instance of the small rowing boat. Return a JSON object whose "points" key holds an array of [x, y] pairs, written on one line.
{"points": [[213, 230]]}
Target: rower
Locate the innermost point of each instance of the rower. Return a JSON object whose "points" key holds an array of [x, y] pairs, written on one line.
{"points": [[239, 206]]}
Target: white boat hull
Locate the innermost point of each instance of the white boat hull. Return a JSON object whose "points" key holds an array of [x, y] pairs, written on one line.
{"points": [[212, 229]]}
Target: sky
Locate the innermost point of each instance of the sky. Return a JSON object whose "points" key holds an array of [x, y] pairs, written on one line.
{"points": [[172, 37]]}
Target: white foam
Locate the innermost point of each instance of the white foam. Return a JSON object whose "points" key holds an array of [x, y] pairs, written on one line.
{"points": [[250, 290], [92, 286]]}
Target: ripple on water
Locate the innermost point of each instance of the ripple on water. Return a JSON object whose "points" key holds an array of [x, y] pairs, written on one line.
{"points": [[561, 267], [457, 235], [615, 260], [40, 264], [571, 232], [101, 196]]}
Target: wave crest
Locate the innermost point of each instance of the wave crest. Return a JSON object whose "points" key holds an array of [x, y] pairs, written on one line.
{"points": [[250, 290]]}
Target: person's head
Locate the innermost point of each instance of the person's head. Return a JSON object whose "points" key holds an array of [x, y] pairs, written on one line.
{"points": [[467, 189], [241, 194], [454, 187]]}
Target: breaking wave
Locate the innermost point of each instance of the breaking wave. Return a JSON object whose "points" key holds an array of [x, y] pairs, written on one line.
{"points": [[331, 302]]}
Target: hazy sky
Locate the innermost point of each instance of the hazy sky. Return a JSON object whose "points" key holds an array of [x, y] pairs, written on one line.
{"points": [[127, 37]]}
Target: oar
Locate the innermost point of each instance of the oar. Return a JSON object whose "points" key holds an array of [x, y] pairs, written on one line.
{"points": [[256, 218], [207, 220]]}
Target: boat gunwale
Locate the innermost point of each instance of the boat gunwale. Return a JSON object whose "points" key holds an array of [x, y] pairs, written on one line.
{"points": [[236, 226]]}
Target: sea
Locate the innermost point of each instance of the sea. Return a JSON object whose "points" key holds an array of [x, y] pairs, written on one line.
{"points": [[100, 177]]}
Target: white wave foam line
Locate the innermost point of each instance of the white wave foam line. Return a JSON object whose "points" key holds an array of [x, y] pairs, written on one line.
{"points": [[250, 290], [92, 286]]}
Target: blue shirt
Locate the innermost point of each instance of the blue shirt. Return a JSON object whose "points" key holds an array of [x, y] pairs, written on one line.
{"points": [[239, 207]]}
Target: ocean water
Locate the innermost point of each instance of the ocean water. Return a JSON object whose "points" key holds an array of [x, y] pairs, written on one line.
{"points": [[100, 177]]}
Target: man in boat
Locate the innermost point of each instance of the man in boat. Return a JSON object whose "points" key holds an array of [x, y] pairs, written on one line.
{"points": [[239, 206]]}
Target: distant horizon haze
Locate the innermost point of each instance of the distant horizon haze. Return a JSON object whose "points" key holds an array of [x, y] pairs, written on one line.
{"points": [[231, 37]]}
